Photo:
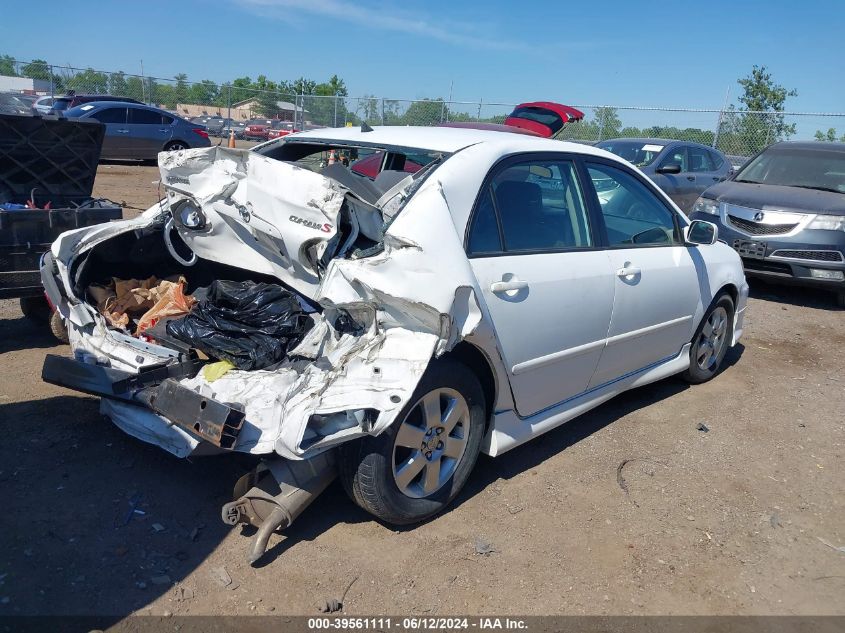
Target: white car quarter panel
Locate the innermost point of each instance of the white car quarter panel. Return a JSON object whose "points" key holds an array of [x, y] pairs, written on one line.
{"points": [[552, 332]]}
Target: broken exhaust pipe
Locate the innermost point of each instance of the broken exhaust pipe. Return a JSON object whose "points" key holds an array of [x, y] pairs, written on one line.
{"points": [[275, 494]]}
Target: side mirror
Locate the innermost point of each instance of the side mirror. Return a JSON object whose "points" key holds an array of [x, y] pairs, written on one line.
{"points": [[670, 168], [700, 232]]}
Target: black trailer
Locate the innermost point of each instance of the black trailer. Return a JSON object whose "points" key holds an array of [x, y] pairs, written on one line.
{"points": [[47, 170]]}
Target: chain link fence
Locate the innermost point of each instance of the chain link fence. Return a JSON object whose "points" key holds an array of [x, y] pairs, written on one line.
{"points": [[738, 134]]}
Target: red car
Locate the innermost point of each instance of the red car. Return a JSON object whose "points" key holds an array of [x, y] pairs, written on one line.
{"points": [[284, 129], [536, 118], [259, 129]]}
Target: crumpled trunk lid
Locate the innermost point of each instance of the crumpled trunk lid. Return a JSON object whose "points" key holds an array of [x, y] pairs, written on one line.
{"points": [[260, 214]]}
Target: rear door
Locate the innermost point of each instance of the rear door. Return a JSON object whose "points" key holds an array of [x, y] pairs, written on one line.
{"points": [[148, 132], [115, 144], [547, 287], [702, 166], [656, 280]]}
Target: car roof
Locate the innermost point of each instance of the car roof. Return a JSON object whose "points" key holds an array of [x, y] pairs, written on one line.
{"points": [[441, 139]]}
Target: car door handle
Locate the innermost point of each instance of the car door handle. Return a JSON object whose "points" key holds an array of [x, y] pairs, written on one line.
{"points": [[164, 130], [628, 271], [506, 286], [691, 178], [122, 131]]}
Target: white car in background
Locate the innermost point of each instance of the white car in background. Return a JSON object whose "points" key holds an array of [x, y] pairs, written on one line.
{"points": [[43, 105], [468, 307]]}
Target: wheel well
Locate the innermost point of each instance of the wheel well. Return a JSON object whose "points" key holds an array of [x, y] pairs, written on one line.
{"points": [[469, 355], [731, 290]]}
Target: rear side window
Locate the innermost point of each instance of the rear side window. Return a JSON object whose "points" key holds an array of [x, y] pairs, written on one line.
{"points": [[484, 234], [633, 214], [535, 205], [699, 159], [110, 115], [140, 116], [717, 160]]}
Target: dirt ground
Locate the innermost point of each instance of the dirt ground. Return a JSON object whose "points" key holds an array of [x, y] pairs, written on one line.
{"points": [[630, 509]]}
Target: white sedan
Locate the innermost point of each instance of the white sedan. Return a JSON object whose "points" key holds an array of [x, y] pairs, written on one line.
{"points": [[509, 285]]}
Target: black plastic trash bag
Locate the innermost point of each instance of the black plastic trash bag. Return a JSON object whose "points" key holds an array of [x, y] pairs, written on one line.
{"points": [[252, 325]]}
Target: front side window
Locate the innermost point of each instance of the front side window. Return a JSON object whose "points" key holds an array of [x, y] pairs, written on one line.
{"points": [[539, 207], [717, 160], [676, 156], [633, 214]]}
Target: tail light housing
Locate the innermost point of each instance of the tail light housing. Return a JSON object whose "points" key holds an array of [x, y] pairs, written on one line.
{"points": [[201, 132]]}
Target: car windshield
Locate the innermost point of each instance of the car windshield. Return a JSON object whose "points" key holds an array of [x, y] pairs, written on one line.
{"points": [[638, 153], [808, 168]]}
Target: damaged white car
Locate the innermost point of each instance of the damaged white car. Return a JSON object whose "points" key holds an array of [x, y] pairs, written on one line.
{"points": [[507, 285]]}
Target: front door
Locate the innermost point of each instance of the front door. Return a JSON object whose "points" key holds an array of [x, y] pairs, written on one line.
{"points": [[114, 140], [656, 283], [548, 292]]}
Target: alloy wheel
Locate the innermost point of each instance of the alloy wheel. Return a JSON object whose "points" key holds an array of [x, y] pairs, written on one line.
{"points": [[712, 339], [430, 443]]}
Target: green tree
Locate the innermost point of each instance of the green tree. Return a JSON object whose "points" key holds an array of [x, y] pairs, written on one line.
{"points": [[425, 112], [608, 122], [829, 136], [179, 91], [135, 89], [7, 66], [36, 69], [762, 102], [88, 81], [204, 92], [117, 85]]}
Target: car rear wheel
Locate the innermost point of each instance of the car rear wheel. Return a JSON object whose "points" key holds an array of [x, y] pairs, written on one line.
{"points": [[58, 327], [417, 466], [840, 298], [711, 341], [175, 145]]}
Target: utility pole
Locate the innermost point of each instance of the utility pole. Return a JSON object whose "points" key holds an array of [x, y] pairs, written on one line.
{"points": [[721, 112], [143, 87]]}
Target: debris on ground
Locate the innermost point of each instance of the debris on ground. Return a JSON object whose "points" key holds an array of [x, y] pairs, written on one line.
{"points": [[163, 579], [702, 427], [147, 300], [195, 533], [832, 546], [184, 594], [220, 576], [332, 605], [483, 547], [774, 520], [158, 527]]}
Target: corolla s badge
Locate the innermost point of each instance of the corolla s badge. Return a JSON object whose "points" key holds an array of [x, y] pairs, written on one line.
{"points": [[758, 217]]}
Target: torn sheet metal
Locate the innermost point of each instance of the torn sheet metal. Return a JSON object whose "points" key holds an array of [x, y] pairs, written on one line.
{"points": [[261, 214], [412, 301]]}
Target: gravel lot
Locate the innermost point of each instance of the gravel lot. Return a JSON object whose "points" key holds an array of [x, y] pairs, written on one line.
{"points": [[628, 510]]}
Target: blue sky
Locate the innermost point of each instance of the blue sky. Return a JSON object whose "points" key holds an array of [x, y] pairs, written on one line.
{"points": [[610, 52]]}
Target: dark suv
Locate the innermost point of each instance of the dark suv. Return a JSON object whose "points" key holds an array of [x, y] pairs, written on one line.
{"points": [[71, 100], [784, 213]]}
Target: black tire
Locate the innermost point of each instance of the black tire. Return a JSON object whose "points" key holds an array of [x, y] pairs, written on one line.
{"points": [[58, 327], [366, 466], [840, 298], [35, 309], [175, 145], [699, 372]]}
